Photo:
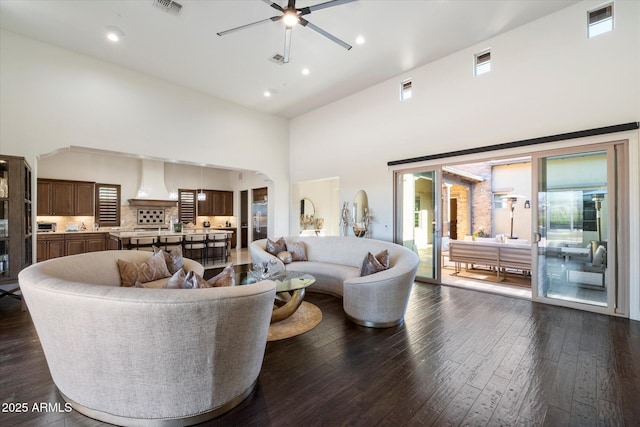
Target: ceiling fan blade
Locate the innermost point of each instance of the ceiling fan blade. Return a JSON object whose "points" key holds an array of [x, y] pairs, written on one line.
{"points": [[242, 27], [319, 30], [307, 10], [274, 5], [287, 44]]}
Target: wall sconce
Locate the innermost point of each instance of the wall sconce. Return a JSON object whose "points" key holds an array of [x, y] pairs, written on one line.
{"points": [[527, 204]]}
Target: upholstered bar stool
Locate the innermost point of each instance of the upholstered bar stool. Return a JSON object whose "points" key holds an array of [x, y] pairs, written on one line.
{"points": [[218, 243], [168, 243], [143, 243], [196, 242]]}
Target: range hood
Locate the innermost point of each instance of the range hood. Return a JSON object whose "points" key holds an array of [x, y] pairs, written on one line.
{"points": [[152, 191]]}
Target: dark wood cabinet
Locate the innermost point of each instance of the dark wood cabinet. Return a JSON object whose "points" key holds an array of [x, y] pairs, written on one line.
{"points": [[205, 207], [65, 198], [84, 198], [55, 245], [49, 246], [217, 203], [15, 218]]}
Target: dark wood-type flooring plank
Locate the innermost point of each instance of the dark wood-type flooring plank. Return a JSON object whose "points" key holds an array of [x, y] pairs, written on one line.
{"points": [[461, 358]]}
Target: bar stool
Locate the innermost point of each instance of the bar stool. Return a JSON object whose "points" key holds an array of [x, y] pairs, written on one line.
{"points": [[142, 243], [168, 243], [194, 242], [218, 242]]}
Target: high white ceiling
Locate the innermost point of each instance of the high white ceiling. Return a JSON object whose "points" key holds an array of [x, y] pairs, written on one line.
{"points": [[185, 49]]}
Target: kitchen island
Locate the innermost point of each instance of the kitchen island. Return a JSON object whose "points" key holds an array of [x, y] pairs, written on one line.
{"points": [[123, 239]]}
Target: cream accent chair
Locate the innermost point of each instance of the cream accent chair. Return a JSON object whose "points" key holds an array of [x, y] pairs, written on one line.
{"points": [[378, 300], [133, 356]]}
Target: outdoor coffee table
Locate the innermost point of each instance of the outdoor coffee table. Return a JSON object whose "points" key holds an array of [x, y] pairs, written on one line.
{"points": [[290, 290]]}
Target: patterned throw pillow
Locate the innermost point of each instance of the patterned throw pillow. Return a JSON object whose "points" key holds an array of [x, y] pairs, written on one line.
{"points": [[177, 280], [173, 259], [374, 264], [194, 281], [274, 248], [227, 277], [298, 251], [153, 269]]}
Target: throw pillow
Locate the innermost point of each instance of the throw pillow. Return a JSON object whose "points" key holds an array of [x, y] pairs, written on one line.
{"points": [[384, 259], [176, 281], [227, 277], [173, 259], [153, 269], [599, 256], [372, 264], [285, 257], [298, 251], [274, 248], [194, 281]]}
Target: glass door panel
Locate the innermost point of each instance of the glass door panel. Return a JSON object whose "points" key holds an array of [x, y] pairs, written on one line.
{"points": [[574, 213], [417, 225]]}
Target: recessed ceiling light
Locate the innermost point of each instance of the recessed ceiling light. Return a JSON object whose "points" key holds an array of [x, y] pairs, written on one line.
{"points": [[305, 71], [360, 40], [267, 94], [114, 34]]}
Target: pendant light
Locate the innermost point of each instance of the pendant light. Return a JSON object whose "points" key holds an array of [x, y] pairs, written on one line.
{"points": [[201, 195]]}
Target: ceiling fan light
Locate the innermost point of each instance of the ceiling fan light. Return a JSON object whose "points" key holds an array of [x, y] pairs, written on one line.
{"points": [[290, 18]]}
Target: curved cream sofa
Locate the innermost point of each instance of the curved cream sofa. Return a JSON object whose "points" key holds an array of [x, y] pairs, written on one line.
{"points": [[378, 300], [136, 356]]}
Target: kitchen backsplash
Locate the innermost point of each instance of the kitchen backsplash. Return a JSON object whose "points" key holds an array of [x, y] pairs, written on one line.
{"points": [[129, 219]]}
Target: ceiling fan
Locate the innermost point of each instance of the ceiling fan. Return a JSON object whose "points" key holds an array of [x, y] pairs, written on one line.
{"points": [[291, 16]]}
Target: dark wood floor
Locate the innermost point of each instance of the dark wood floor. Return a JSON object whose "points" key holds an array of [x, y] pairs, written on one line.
{"points": [[461, 358]]}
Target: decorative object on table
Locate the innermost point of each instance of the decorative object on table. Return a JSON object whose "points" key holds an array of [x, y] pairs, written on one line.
{"points": [[345, 219], [307, 213], [361, 218], [367, 223], [480, 232], [319, 223], [264, 270]]}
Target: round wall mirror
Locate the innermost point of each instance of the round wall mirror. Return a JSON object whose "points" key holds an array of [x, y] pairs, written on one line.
{"points": [[360, 210], [307, 212]]}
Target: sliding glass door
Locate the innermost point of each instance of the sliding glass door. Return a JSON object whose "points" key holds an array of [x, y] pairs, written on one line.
{"points": [[418, 225], [576, 228]]}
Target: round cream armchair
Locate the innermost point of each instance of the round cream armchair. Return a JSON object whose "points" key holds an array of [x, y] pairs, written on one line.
{"points": [[134, 356]]}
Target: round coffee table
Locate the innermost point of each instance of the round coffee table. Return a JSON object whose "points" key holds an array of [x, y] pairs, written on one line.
{"points": [[290, 290]]}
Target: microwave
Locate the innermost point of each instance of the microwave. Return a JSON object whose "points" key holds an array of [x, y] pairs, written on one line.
{"points": [[46, 227]]}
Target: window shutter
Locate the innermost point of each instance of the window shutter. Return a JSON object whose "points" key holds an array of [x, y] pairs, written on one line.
{"points": [[187, 205], [108, 205]]}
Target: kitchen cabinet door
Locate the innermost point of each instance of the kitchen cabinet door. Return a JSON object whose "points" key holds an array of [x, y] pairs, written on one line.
{"points": [[75, 246], [45, 194], [96, 243], [205, 207], [49, 246], [62, 202], [83, 199]]}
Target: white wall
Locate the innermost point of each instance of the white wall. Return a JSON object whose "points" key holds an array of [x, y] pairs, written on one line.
{"points": [[51, 99], [543, 82], [547, 78]]}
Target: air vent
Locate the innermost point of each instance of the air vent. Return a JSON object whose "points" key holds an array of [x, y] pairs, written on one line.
{"points": [[168, 6], [277, 58]]}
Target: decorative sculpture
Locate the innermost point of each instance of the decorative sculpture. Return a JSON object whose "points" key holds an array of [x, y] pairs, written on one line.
{"points": [[345, 219]]}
